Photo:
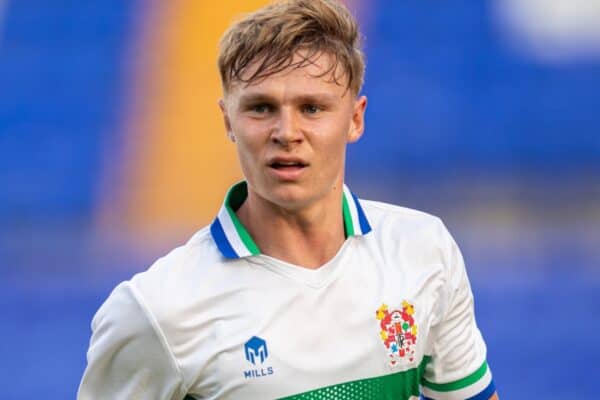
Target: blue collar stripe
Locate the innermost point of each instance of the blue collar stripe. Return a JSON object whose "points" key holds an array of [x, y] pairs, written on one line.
{"points": [[231, 233], [365, 227], [221, 240]]}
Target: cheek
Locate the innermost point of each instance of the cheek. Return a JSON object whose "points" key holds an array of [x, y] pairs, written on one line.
{"points": [[247, 135], [249, 147], [337, 139], [332, 150], [246, 152], [247, 160]]}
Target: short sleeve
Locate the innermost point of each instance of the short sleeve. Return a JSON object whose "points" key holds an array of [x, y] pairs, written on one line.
{"points": [[458, 368], [128, 357]]}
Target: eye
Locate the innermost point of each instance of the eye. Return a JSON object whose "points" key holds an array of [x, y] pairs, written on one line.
{"points": [[261, 108], [310, 109]]}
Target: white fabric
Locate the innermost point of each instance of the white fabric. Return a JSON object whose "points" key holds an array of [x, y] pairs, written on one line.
{"points": [[461, 394], [181, 326]]}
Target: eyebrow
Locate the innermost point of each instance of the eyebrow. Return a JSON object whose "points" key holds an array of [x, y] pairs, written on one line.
{"points": [[317, 98], [253, 98]]}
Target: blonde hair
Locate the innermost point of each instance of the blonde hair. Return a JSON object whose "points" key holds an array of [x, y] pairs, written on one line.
{"points": [[272, 36]]}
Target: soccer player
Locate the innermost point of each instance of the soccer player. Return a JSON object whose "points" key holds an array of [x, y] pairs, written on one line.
{"points": [[298, 289]]}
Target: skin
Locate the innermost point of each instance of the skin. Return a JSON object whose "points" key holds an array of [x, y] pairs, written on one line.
{"points": [[294, 214], [295, 114]]}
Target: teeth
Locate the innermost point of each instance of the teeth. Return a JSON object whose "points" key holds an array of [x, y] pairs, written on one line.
{"points": [[286, 163]]}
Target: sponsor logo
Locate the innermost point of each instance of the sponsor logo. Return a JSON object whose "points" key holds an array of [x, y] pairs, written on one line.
{"points": [[398, 332], [256, 352]]}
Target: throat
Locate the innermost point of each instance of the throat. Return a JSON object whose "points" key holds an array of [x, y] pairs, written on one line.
{"points": [[306, 252], [306, 241]]}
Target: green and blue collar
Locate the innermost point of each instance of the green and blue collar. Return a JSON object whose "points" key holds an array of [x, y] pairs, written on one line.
{"points": [[234, 240]]}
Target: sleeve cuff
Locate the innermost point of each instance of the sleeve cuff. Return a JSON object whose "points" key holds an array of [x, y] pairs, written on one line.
{"points": [[477, 386]]}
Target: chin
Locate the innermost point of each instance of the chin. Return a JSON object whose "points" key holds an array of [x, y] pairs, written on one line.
{"points": [[289, 195]]}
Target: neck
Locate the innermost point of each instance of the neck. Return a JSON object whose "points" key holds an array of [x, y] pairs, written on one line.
{"points": [[308, 237]]}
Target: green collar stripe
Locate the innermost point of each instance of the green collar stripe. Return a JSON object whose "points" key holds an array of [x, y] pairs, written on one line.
{"points": [[348, 225], [235, 198], [398, 386], [243, 233], [461, 383], [356, 216]]}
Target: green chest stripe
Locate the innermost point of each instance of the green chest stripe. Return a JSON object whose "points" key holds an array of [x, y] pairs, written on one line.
{"points": [[398, 386]]}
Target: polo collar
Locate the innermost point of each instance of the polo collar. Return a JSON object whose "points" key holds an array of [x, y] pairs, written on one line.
{"points": [[234, 240]]}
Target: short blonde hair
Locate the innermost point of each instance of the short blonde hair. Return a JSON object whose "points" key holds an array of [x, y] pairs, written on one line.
{"points": [[274, 34]]}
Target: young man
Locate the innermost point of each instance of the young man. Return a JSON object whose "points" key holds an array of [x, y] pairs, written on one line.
{"points": [[297, 290]]}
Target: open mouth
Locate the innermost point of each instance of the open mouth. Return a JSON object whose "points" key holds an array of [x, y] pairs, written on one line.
{"points": [[287, 165], [288, 169]]}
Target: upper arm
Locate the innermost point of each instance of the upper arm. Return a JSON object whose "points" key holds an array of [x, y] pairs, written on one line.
{"points": [[458, 368], [128, 356]]}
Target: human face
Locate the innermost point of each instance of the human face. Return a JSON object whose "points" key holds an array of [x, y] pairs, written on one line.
{"points": [[291, 131]]}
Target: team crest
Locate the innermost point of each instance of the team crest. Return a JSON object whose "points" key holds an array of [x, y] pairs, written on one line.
{"points": [[398, 332]]}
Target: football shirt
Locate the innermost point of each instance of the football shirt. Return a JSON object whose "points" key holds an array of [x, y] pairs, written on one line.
{"points": [[389, 317]]}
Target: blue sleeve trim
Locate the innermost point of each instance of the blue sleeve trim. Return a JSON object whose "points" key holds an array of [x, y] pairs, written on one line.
{"points": [[486, 393]]}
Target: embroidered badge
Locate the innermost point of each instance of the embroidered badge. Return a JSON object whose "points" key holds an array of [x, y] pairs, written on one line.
{"points": [[398, 332]]}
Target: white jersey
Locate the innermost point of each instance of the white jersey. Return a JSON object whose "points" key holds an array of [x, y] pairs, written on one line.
{"points": [[389, 317]]}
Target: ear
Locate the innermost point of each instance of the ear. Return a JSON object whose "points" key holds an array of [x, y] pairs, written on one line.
{"points": [[226, 121], [357, 125]]}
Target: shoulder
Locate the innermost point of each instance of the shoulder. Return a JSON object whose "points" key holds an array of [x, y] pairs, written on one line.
{"points": [[164, 281], [380, 210], [175, 285], [396, 225], [151, 308], [421, 243], [194, 256], [185, 275]]}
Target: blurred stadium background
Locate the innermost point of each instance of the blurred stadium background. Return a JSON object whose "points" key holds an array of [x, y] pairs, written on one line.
{"points": [[484, 113]]}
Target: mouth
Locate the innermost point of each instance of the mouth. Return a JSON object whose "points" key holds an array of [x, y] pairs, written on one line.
{"points": [[287, 165], [288, 169]]}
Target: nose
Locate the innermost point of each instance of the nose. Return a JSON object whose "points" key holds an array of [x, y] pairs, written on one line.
{"points": [[287, 130]]}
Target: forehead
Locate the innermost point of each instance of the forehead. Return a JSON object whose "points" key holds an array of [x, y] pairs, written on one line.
{"points": [[304, 74]]}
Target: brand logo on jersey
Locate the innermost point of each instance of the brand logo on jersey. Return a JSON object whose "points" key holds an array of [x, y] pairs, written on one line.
{"points": [[256, 350], [398, 332], [256, 353]]}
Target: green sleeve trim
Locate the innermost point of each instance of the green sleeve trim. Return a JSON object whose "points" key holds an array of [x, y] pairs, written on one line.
{"points": [[459, 384]]}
